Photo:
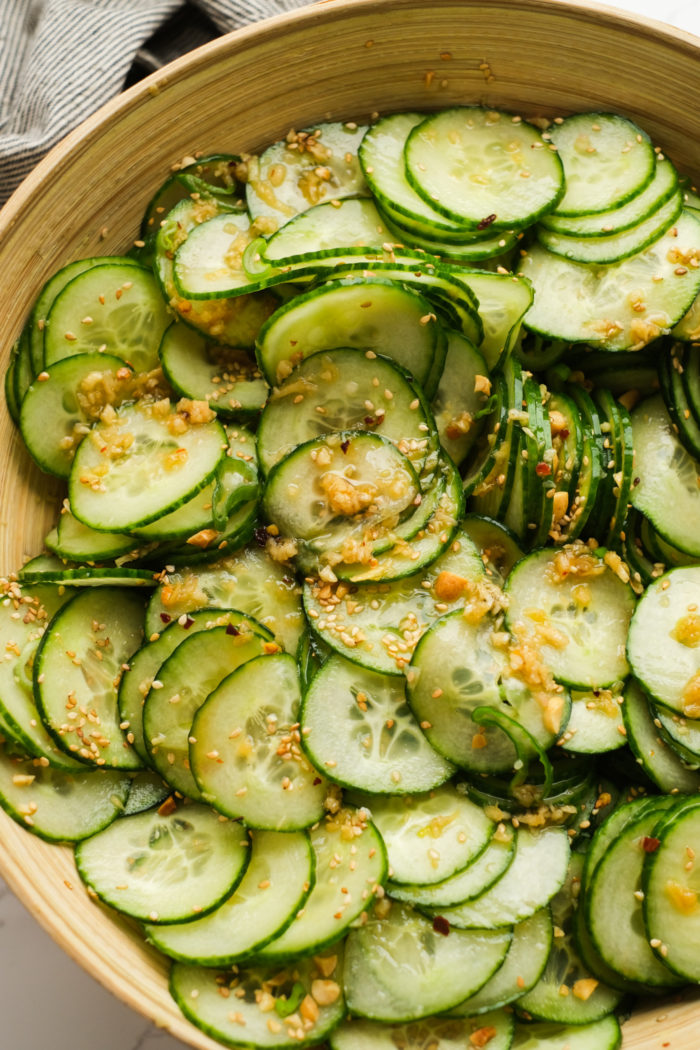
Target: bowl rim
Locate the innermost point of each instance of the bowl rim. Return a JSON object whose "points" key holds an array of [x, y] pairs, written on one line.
{"points": [[61, 157]]}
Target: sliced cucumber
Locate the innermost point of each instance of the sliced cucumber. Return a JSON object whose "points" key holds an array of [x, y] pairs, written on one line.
{"points": [[438, 1033], [58, 805], [165, 868], [357, 725], [273, 889], [112, 307], [245, 753], [483, 168], [142, 464]]}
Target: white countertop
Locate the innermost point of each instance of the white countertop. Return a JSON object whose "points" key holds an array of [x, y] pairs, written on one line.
{"points": [[76, 1013]]}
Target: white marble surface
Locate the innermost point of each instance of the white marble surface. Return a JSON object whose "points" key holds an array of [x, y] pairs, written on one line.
{"points": [[46, 1000]]}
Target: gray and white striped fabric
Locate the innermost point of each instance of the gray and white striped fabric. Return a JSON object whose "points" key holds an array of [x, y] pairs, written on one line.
{"points": [[62, 59]]}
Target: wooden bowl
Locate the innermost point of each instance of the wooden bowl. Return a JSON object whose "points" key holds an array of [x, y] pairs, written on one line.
{"points": [[340, 59]]}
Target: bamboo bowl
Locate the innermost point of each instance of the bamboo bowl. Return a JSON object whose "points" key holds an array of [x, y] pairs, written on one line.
{"points": [[339, 60]]}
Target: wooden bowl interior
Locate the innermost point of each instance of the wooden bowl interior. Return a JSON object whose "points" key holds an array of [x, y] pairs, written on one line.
{"points": [[340, 59]]}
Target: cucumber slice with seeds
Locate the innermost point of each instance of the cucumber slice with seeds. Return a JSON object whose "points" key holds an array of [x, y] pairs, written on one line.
{"points": [[141, 466], [76, 674], [250, 1018], [248, 580], [182, 683], [58, 805], [113, 307], [467, 163], [351, 865], [273, 889], [244, 748], [357, 725], [437, 1032], [607, 161], [399, 968], [165, 868]]}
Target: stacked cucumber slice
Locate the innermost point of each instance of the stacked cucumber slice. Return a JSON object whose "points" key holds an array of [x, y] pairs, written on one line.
{"points": [[400, 427]]}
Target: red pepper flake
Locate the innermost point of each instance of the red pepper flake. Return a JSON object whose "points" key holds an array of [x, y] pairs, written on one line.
{"points": [[441, 925], [260, 536], [564, 433], [230, 629], [165, 617], [370, 421], [345, 445], [650, 845], [317, 780], [485, 223], [543, 470], [188, 623]]}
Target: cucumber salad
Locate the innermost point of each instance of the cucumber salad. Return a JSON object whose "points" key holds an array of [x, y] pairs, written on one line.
{"points": [[359, 666]]}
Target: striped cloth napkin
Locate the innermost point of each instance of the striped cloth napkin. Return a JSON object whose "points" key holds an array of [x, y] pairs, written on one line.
{"points": [[61, 59]]}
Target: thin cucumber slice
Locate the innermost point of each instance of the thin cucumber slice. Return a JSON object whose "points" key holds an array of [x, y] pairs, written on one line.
{"points": [[350, 227], [233, 321], [76, 674], [661, 764], [78, 542], [587, 999], [420, 539], [165, 868], [183, 682], [244, 748], [612, 247], [667, 492], [249, 580], [210, 545], [11, 397], [60, 405], [480, 874], [351, 865], [543, 1035], [483, 168], [662, 646], [619, 306], [578, 611], [144, 664], [47, 568], [357, 725], [227, 378], [187, 520], [399, 968], [319, 163], [528, 884], [437, 1032], [671, 894], [208, 264], [374, 315], [614, 918], [58, 805], [520, 970], [378, 624], [342, 389], [451, 832], [142, 465], [238, 1020], [455, 669], [340, 490], [381, 157], [614, 220], [24, 618], [55, 284], [607, 161], [112, 307], [503, 302], [683, 734], [23, 372], [273, 889], [461, 401], [595, 724], [473, 248]]}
